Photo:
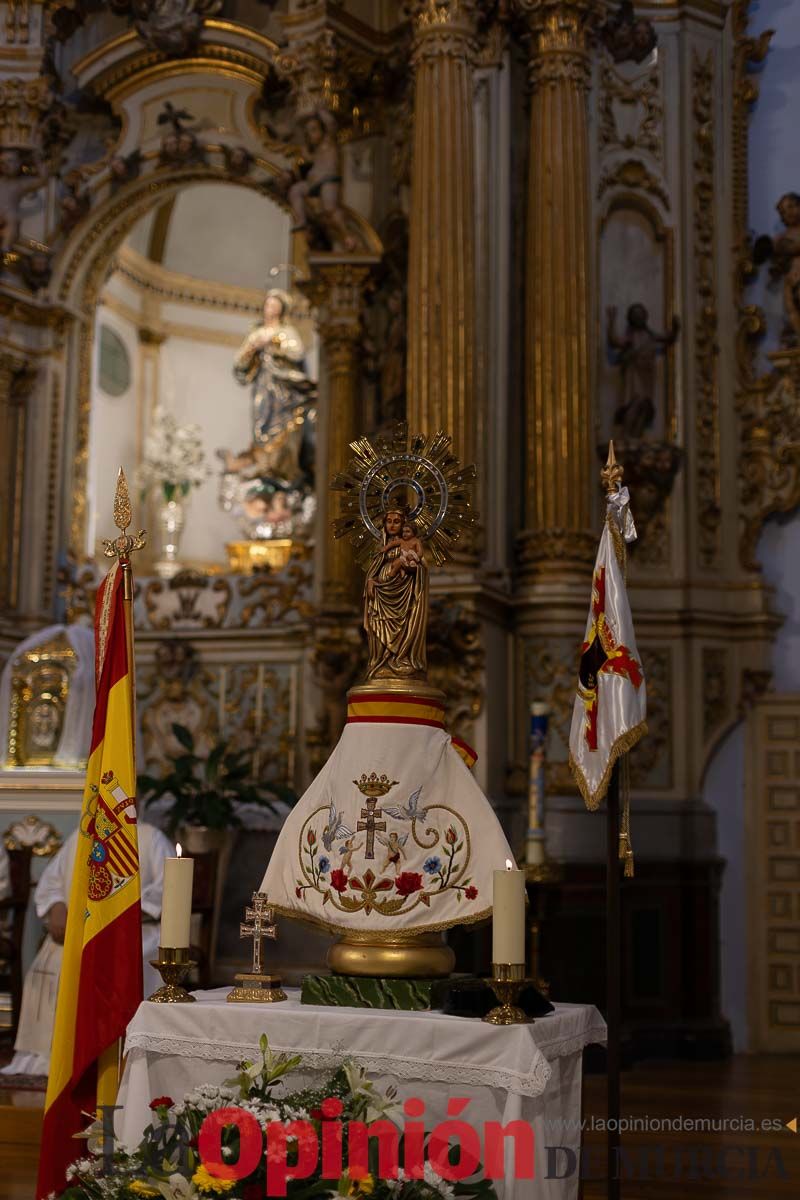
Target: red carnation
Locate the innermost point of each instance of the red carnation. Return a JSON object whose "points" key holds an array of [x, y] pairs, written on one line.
{"points": [[408, 882], [339, 880], [471, 892], [161, 1102], [332, 1108]]}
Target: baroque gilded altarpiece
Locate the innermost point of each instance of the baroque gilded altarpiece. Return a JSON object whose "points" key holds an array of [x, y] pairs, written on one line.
{"points": [[502, 308]]}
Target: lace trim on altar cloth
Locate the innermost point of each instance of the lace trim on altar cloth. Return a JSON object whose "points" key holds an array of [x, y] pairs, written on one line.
{"points": [[517, 1083]]}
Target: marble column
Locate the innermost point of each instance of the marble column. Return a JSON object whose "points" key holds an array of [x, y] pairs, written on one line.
{"points": [[560, 470], [336, 289], [441, 275]]}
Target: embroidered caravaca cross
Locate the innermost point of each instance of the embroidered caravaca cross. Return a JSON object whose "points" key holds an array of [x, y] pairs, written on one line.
{"points": [[258, 925], [371, 825], [602, 653]]}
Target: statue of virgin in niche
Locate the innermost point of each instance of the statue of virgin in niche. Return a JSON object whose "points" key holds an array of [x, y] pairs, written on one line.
{"points": [[396, 602], [269, 486]]}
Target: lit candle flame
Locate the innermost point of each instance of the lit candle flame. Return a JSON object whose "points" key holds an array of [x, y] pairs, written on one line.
{"points": [[178, 849], [509, 865]]}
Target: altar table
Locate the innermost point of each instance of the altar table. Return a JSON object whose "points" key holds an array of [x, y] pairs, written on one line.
{"points": [[529, 1072]]}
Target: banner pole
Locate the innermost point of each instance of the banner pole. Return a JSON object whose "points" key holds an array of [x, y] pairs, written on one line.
{"points": [[613, 985]]}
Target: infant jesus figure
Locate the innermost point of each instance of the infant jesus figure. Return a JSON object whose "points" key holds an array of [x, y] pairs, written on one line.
{"points": [[411, 552]]}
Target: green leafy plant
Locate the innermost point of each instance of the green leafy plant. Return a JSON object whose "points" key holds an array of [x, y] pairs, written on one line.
{"points": [[206, 790]]}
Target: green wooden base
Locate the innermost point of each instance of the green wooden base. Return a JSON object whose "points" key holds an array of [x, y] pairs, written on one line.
{"points": [[356, 991]]}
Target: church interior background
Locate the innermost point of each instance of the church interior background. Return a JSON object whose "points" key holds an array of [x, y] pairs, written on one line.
{"points": [[536, 224]]}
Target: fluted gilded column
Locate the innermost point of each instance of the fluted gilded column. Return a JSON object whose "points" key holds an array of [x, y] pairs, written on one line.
{"points": [[441, 274], [16, 380], [560, 471], [336, 289]]}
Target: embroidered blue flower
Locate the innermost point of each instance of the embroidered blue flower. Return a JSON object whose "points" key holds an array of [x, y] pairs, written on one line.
{"points": [[432, 864], [323, 865]]}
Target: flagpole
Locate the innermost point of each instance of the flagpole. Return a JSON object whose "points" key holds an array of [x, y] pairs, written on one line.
{"points": [[611, 477], [613, 985]]}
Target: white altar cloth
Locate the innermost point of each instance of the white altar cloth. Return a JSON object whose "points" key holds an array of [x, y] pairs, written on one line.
{"points": [[528, 1072]]}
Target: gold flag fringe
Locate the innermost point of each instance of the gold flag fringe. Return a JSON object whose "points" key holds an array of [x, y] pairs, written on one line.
{"points": [[625, 742]]}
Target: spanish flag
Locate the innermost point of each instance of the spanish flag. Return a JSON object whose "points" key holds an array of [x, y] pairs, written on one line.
{"points": [[101, 973]]}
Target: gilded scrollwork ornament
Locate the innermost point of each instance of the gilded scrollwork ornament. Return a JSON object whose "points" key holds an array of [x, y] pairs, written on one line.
{"points": [[706, 374]]}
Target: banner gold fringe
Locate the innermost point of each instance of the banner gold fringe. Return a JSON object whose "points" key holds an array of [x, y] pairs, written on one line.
{"points": [[625, 742]]}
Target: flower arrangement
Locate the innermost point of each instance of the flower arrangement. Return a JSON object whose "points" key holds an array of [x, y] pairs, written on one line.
{"points": [[174, 459], [169, 1162]]}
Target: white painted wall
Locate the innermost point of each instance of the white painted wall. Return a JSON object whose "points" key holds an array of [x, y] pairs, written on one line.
{"points": [[774, 169], [112, 432]]}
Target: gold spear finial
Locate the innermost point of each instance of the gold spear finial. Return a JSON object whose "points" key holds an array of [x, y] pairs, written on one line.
{"points": [[122, 546], [612, 472], [122, 503]]}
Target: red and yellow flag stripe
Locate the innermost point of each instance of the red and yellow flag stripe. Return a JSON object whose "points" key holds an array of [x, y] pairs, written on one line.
{"points": [[403, 709], [101, 973]]}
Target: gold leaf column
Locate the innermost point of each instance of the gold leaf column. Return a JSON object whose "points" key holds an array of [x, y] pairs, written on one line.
{"points": [[336, 289], [16, 381], [441, 275], [559, 430]]}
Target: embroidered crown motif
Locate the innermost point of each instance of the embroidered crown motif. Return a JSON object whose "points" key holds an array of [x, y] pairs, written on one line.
{"points": [[374, 785]]}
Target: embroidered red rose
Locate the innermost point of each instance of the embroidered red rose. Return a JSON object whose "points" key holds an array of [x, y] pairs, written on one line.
{"points": [[161, 1102], [450, 836], [339, 880], [408, 882], [312, 837], [298, 891], [471, 892]]}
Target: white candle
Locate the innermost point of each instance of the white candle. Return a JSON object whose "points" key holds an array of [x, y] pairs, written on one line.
{"points": [[176, 902], [508, 916]]}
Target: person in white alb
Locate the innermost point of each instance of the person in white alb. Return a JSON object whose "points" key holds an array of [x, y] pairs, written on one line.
{"points": [[40, 991]]}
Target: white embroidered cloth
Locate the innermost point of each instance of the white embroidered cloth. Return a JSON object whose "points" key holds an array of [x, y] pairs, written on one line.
{"points": [[418, 857], [528, 1072]]}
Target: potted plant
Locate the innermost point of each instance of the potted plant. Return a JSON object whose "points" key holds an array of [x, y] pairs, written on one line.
{"points": [[204, 794]]}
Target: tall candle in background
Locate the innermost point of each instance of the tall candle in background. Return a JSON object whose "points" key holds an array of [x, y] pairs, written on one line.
{"points": [[176, 902], [508, 916]]}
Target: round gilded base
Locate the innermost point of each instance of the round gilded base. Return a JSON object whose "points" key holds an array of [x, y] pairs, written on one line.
{"points": [[394, 686], [423, 956]]}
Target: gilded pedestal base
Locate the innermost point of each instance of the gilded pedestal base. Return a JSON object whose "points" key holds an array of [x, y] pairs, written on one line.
{"points": [[409, 956], [256, 989], [246, 557]]}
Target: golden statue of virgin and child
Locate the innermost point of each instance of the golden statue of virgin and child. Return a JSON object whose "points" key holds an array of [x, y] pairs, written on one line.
{"points": [[398, 493], [269, 487]]}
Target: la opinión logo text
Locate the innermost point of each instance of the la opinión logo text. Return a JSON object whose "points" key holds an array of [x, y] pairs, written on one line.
{"points": [[292, 1150]]}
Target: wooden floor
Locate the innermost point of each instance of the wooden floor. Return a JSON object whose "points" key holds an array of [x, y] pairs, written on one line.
{"points": [[767, 1162], [737, 1164]]}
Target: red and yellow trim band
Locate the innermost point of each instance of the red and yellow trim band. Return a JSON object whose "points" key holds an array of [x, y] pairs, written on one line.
{"points": [[392, 709]]}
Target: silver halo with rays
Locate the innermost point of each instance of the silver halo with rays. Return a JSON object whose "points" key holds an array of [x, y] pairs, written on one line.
{"points": [[419, 476]]}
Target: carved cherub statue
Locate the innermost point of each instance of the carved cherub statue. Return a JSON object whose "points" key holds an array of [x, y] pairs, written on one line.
{"points": [[318, 176], [635, 353], [786, 256], [18, 177]]}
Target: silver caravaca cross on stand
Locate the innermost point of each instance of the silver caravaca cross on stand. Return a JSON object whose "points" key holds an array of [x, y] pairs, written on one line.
{"points": [[254, 986]]}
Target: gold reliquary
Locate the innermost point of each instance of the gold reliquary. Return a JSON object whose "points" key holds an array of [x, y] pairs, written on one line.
{"points": [[40, 683]]}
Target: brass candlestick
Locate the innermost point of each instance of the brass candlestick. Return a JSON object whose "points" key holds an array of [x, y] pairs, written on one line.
{"points": [[173, 965], [508, 980]]}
